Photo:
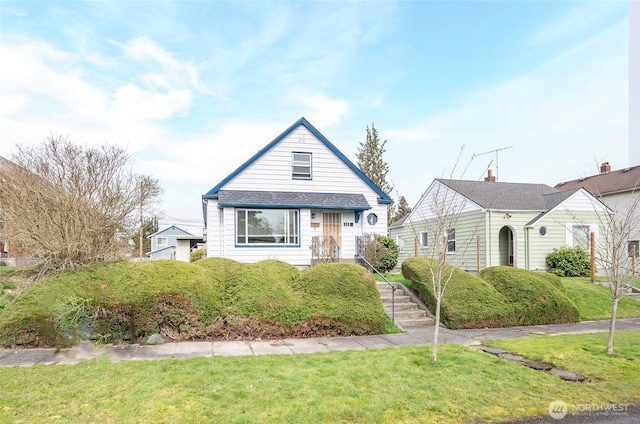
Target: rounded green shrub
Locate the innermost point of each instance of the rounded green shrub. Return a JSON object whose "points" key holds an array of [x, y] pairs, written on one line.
{"points": [[114, 301], [536, 301], [342, 295], [213, 298], [468, 301], [382, 253], [569, 262]]}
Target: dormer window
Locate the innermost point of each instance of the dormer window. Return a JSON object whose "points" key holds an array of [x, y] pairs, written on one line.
{"points": [[301, 165]]}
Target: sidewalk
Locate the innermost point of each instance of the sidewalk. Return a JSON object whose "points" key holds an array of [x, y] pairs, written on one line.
{"points": [[85, 351]]}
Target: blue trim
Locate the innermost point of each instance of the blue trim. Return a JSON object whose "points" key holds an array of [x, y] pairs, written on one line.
{"points": [[274, 206], [263, 245], [382, 199]]}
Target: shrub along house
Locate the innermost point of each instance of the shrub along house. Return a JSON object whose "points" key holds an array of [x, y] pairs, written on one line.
{"points": [[495, 223], [299, 200]]}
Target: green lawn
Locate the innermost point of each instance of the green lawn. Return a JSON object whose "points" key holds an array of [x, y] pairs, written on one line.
{"points": [[594, 301], [374, 386]]}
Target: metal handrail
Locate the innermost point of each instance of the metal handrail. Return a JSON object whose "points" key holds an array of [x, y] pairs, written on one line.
{"points": [[393, 288]]}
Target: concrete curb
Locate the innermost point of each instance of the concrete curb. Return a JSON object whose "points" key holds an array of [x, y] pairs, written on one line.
{"points": [[181, 350]]}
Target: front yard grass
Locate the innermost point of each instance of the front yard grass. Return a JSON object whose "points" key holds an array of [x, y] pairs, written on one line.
{"points": [[594, 301], [379, 385]]}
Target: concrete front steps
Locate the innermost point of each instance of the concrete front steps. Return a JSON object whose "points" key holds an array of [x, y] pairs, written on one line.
{"points": [[408, 313]]}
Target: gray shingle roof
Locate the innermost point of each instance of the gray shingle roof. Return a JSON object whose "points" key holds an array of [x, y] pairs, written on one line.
{"points": [[283, 199], [508, 196]]}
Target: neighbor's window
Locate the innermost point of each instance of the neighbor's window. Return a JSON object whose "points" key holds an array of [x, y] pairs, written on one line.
{"points": [[633, 247], [400, 242], [451, 240], [161, 241], [267, 226], [301, 165], [580, 235], [424, 239]]}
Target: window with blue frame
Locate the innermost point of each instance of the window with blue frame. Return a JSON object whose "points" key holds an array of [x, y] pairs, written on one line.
{"points": [[301, 165], [267, 226]]}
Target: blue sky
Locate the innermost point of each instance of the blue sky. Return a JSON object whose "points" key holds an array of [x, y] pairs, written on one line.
{"points": [[194, 88]]}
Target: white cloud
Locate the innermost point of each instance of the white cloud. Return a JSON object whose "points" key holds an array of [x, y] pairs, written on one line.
{"points": [[319, 108], [135, 104], [175, 71]]}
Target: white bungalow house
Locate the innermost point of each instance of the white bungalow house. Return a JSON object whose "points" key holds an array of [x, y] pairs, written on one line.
{"points": [[494, 223], [173, 243], [299, 200]]}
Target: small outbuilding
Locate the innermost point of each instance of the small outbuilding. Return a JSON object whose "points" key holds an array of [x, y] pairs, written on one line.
{"points": [[173, 243]]}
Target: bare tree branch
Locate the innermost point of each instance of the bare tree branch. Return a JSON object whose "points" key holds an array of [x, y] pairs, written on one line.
{"points": [[70, 205]]}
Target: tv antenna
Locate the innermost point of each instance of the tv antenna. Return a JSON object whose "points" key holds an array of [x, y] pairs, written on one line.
{"points": [[496, 153]]}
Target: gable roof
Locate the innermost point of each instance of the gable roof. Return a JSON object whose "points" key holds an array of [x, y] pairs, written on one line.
{"points": [[382, 197], [177, 231], [626, 179], [507, 196]]}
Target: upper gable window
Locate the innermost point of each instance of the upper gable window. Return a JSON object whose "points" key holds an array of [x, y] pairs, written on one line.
{"points": [[301, 165], [162, 241]]}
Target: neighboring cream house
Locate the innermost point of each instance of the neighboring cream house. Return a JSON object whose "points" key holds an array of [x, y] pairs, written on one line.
{"points": [[619, 190], [173, 243], [494, 223], [299, 200]]}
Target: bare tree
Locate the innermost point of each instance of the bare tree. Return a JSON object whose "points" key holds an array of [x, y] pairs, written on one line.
{"points": [[70, 205], [439, 222], [437, 217], [616, 255]]}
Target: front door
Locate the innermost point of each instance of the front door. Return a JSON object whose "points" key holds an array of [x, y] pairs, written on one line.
{"points": [[507, 253], [331, 235]]}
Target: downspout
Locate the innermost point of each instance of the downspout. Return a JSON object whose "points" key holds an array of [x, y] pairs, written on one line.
{"points": [[527, 248], [489, 257]]}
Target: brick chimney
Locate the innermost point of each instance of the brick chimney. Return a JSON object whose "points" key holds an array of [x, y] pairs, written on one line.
{"points": [[605, 168], [490, 178]]}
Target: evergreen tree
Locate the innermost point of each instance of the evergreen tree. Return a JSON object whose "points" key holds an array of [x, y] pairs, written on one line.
{"points": [[372, 164], [401, 211], [370, 159]]}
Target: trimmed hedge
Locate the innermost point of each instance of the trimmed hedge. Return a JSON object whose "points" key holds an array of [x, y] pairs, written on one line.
{"points": [[468, 302], [211, 298], [535, 300], [344, 293], [118, 301]]}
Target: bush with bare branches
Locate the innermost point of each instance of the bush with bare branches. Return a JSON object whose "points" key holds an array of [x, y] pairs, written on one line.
{"points": [[70, 205]]}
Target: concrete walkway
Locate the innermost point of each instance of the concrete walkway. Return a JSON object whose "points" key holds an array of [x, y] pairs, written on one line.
{"points": [[423, 336]]}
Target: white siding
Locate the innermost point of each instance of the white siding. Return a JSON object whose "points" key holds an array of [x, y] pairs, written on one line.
{"points": [[439, 200], [183, 251], [581, 201], [273, 172]]}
